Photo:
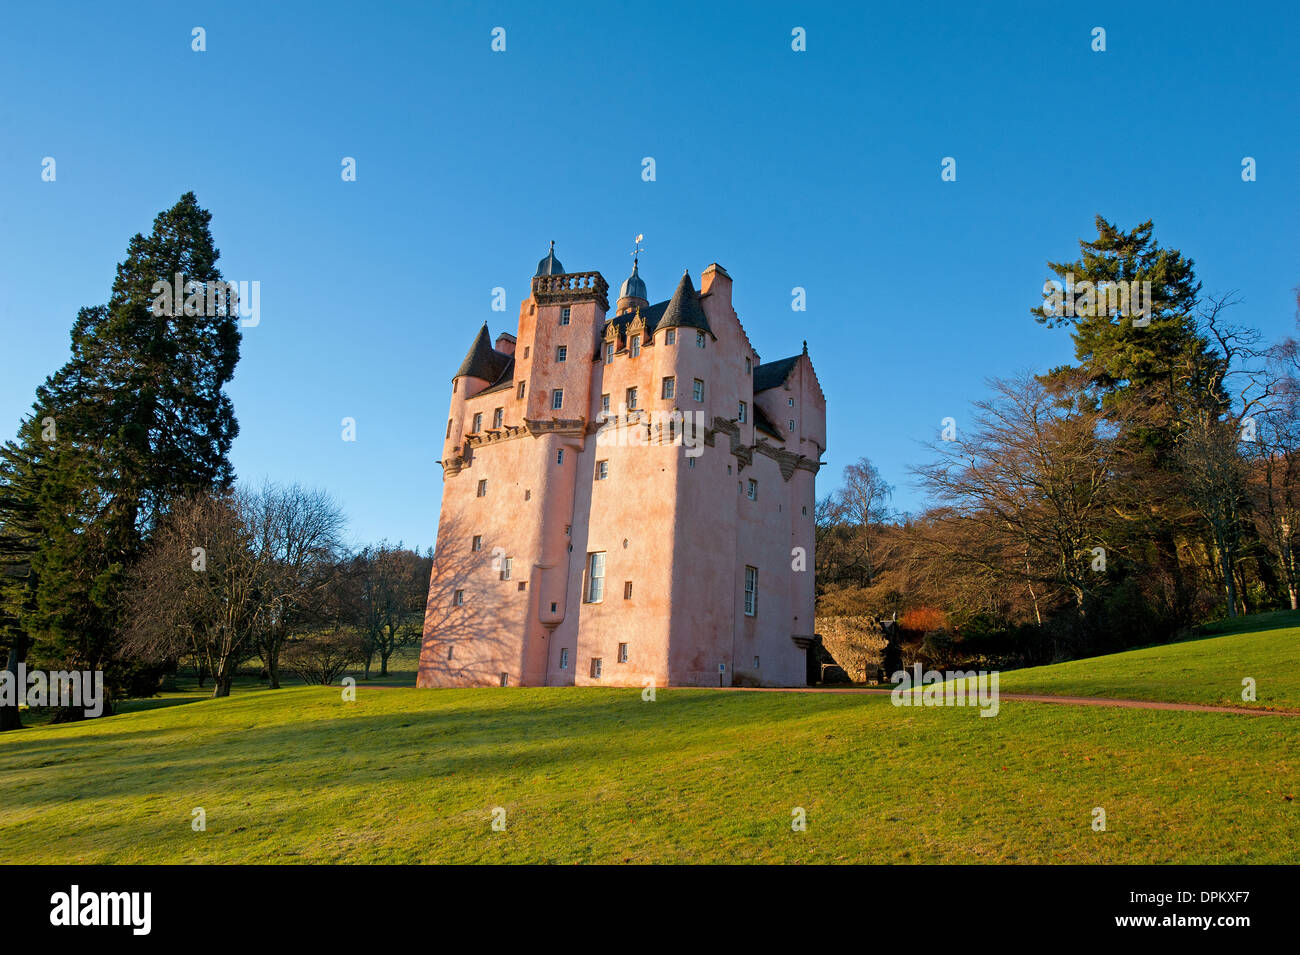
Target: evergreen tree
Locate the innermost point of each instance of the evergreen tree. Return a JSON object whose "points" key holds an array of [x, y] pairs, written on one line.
{"points": [[142, 418]]}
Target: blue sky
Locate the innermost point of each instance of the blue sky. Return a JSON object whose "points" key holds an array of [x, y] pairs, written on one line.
{"points": [[818, 169]]}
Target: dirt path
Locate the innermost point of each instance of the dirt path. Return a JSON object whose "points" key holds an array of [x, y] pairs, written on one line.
{"points": [[1042, 698]]}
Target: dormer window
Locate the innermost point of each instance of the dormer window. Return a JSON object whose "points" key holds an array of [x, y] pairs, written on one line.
{"points": [[609, 353], [635, 345]]}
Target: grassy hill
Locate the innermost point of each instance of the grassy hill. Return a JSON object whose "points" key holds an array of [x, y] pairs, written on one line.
{"points": [[598, 775], [1208, 669]]}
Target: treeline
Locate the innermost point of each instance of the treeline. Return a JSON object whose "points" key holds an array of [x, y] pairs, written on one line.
{"points": [[125, 545], [1149, 486]]}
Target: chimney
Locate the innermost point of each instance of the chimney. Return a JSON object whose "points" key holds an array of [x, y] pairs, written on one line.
{"points": [[716, 282], [505, 343]]}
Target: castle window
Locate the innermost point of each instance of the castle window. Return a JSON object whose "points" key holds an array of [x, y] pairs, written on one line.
{"points": [[507, 565], [568, 528], [752, 491], [755, 663], [792, 424], [528, 494], [699, 339], [478, 423], [449, 427], [451, 651], [697, 390], [564, 316], [523, 585], [476, 543], [631, 399], [805, 510], [596, 666], [690, 462], [602, 470], [562, 353], [748, 369], [552, 606], [627, 590], [458, 598], [557, 399], [505, 679], [670, 388], [604, 403], [790, 402], [609, 353], [564, 658], [622, 653], [559, 456], [670, 337], [596, 577], [521, 389], [525, 351], [742, 413], [498, 416], [482, 488], [635, 345], [454, 383], [751, 591]]}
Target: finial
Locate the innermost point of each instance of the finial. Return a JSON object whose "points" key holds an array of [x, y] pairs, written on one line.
{"points": [[805, 346]]}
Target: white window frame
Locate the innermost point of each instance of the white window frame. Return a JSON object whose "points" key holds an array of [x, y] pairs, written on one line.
{"points": [[561, 353], [602, 469], [564, 658], [668, 391], [751, 591], [557, 399], [593, 591], [565, 314], [697, 389]]}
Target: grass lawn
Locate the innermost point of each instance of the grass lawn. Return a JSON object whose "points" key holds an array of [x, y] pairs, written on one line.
{"points": [[1208, 669], [405, 775]]}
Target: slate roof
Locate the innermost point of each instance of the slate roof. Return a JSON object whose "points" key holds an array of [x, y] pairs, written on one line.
{"points": [[484, 361], [684, 308], [773, 374]]}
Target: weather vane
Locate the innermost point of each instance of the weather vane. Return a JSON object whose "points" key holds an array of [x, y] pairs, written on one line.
{"points": [[637, 250]]}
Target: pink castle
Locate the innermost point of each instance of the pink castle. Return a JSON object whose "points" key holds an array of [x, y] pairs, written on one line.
{"points": [[627, 500]]}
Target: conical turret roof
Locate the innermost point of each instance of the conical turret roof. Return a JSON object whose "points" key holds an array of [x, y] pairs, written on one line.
{"points": [[482, 360], [684, 308]]}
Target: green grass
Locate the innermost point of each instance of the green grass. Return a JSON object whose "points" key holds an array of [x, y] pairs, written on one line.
{"points": [[595, 775], [1204, 670]]}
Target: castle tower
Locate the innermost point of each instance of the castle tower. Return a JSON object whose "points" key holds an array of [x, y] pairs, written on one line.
{"points": [[624, 495]]}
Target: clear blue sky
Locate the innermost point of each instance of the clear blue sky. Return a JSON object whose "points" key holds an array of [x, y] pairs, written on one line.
{"points": [[817, 169]]}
